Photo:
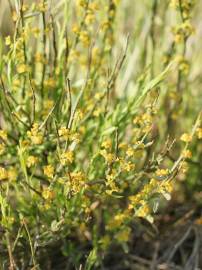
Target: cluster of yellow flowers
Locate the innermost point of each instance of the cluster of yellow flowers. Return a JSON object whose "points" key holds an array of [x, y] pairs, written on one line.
{"points": [[49, 171], [3, 135], [77, 181], [183, 31], [8, 174], [139, 201], [35, 135]]}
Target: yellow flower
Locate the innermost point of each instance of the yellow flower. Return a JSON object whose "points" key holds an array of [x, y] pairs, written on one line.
{"points": [[42, 6], [143, 211], [36, 32], [48, 194], [187, 154], [93, 6], [77, 181], [186, 137], [111, 177], [98, 96], [107, 144], [8, 40], [14, 16], [12, 174], [48, 105], [3, 134], [3, 173], [24, 7], [82, 3], [31, 161], [130, 152], [90, 18], [147, 118], [35, 135], [50, 83], [22, 68], [184, 67], [109, 157], [184, 167], [162, 172], [199, 133], [127, 166], [48, 171], [97, 112], [75, 137], [64, 132], [84, 38], [39, 57], [75, 29], [67, 157], [105, 25], [168, 186]]}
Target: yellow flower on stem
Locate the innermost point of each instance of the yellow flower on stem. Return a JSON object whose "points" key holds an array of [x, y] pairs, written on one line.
{"points": [[67, 157], [186, 137], [48, 171]]}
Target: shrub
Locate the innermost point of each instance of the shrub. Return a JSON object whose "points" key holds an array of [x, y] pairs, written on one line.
{"points": [[87, 145]]}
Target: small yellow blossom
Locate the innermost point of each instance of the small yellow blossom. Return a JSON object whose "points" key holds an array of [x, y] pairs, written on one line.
{"points": [[130, 152], [14, 16], [31, 161], [48, 194], [186, 137], [64, 132], [22, 68], [97, 112], [35, 135], [3, 173], [168, 186], [109, 157], [48, 171], [84, 38], [143, 211], [12, 174], [39, 57], [36, 31], [127, 166], [199, 133], [8, 40], [93, 6], [42, 6], [67, 157], [3, 134], [162, 172], [75, 29], [90, 18], [184, 167], [107, 144], [50, 83], [98, 96], [187, 154], [75, 137], [77, 181]]}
